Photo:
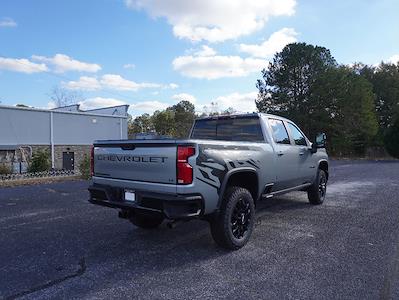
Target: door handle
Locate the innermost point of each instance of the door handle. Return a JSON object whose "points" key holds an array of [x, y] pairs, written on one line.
{"points": [[301, 153], [280, 153]]}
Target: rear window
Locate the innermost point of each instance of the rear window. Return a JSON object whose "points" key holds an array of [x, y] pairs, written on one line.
{"points": [[228, 129]]}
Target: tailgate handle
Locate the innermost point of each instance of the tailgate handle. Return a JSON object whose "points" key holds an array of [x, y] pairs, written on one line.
{"points": [[128, 147]]}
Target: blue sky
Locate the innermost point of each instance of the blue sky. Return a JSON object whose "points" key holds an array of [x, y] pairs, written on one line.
{"points": [[152, 53]]}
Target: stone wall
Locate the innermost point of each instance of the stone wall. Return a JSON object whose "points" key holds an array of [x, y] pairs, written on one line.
{"points": [[24, 154], [7, 156], [20, 154]]}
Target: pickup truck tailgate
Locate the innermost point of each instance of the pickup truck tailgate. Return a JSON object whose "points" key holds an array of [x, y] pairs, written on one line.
{"points": [[143, 160]]}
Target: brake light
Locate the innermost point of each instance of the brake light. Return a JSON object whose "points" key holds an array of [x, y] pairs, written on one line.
{"points": [[184, 170], [92, 161]]}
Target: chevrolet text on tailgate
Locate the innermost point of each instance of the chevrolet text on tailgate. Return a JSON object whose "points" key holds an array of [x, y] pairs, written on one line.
{"points": [[218, 175]]}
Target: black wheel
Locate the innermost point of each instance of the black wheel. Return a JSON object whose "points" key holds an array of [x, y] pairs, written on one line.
{"points": [[146, 221], [317, 191], [232, 227]]}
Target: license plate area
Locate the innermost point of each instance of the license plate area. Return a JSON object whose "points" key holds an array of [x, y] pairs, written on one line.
{"points": [[130, 196]]}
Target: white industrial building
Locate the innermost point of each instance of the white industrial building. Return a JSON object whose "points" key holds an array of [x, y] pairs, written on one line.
{"points": [[67, 132]]}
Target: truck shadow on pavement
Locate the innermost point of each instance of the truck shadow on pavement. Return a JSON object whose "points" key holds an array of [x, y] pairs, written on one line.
{"points": [[291, 201], [192, 238]]}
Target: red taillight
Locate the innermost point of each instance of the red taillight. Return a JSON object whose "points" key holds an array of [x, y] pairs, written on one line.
{"points": [[184, 170], [92, 161]]}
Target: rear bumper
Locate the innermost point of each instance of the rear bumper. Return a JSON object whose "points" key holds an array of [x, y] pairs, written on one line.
{"points": [[172, 206]]}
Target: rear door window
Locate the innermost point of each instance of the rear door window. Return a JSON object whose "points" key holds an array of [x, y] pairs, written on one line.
{"points": [[229, 129], [240, 129], [280, 134]]}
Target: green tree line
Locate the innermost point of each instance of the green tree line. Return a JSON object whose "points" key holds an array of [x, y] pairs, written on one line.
{"points": [[357, 106], [174, 121]]}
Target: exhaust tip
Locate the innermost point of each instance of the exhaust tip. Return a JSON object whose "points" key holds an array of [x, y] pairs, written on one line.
{"points": [[171, 224], [124, 214]]}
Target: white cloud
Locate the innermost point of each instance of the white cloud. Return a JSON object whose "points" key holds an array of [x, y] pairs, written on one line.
{"points": [[173, 86], [111, 81], [205, 64], [239, 102], [117, 82], [212, 20], [84, 83], [21, 65], [129, 66], [99, 102], [51, 105], [394, 59], [275, 43], [63, 63], [205, 51], [147, 107], [60, 63], [213, 67], [7, 22], [184, 96]]}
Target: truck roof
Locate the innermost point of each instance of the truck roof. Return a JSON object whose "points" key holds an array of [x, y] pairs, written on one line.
{"points": [[254, 114]]}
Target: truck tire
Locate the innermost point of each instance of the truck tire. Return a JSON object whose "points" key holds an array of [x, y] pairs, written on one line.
{"points": [[232, 227], [146, 221], [317, 191]]}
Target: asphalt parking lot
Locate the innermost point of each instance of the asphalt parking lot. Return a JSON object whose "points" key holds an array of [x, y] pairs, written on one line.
{"points": [[54, 244]]}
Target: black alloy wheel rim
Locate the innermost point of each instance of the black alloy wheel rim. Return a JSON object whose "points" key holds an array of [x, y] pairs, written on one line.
{"points": [[241, 218], [322, 187]]}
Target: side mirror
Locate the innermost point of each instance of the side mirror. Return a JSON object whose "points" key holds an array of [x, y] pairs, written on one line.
{"points": [[320, 142], [313, 149]]}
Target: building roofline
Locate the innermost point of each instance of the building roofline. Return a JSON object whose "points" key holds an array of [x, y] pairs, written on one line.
{"points": [[64, 106], [127, 106], [61, 112]]}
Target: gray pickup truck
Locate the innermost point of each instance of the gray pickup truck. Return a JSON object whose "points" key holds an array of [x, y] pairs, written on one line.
{"points": [[218, 175]]}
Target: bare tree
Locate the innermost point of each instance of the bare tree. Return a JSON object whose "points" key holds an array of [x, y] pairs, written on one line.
{"points": [[212, 109], [63, 97]]}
